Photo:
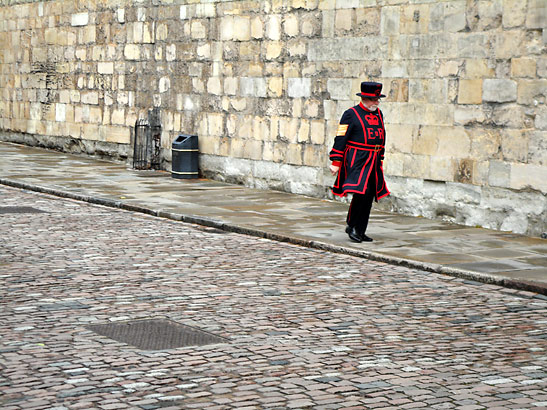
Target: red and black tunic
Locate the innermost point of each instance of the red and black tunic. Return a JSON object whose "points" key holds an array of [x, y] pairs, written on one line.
{"points": [[358, 150]]}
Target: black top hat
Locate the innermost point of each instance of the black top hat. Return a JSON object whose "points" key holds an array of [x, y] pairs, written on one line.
{"points": [[371, 89]]}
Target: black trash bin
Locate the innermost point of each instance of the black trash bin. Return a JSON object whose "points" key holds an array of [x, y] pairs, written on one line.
{"points": [[184, 158]]}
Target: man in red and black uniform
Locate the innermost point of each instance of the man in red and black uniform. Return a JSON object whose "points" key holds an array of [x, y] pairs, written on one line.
{"points": [[357, 157]]}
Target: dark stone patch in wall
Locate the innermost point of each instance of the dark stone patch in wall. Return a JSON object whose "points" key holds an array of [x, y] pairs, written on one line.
{"points": [[464, 172]]}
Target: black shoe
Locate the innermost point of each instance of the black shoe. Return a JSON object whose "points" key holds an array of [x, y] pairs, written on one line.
{"points": [[354, 235], [365, 238]]}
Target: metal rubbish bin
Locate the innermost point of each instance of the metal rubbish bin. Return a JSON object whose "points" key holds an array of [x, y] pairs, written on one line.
{"points": [[184, 162]]}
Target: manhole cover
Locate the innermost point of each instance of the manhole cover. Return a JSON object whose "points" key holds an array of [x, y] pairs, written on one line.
{"points": [[19, 210], [156, 334]]}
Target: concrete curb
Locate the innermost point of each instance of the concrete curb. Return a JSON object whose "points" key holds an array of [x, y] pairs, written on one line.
{"points": [[480, 277]]}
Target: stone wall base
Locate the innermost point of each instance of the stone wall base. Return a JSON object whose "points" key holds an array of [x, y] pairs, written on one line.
{"points": [[471, 205], [101, 149], [464, 204]]}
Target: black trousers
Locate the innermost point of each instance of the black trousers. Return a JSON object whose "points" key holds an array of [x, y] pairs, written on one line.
{"points": [[359, 209]]}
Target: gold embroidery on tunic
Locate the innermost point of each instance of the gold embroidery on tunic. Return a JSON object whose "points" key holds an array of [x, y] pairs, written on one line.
{"points": [[342, 128]]}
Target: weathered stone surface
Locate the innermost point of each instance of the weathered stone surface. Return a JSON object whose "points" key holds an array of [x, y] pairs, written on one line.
{"points": [[499, 90], [276, 77]]}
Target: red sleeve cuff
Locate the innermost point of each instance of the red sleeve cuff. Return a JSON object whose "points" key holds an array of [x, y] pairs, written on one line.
{"points": [[337, 163]]}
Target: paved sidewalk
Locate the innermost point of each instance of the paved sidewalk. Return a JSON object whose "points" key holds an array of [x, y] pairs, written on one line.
{"points": [[483, 255]]}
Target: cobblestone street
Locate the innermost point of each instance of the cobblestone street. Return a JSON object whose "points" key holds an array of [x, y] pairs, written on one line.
{"points": [[305, 328]]}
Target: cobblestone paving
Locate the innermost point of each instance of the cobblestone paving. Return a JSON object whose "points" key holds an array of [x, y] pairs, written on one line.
{"points": [[307, 329]]}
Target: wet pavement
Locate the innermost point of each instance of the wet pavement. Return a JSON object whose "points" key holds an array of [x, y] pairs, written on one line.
{"points": [[483, 255], [298, 328]]}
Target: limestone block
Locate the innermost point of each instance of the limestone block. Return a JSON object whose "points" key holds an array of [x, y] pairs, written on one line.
{"points": [[426, 141], [261, 129], [205, 10], [313, 156], [210, 145], [417, 166], [508, 115], [252, 149], [327, 26], [541, 118], [274, 49], [311, 108], [214, 86], [514, 145], [120, 15], [470, 91], [480, 172], [90, 97], [399, 137], [442, 169], [466, 115], [485, 143], [230, 85], [514, 13], [343, 22], [275, 86], [531, 92], [527, 176], [428, 91], [449, 68], [253, 87], [294, 154], [87, 35], [290, 25], [299, 87], [348, 48], [118, 116], [60, 112], [288, 129], [296, 107], [367, 21], [394, 164], [339, 88], [509, 44], [90, 132], [257, 28], [105, 68], [119, 135], [390, 21], [523, 67], [536, 17], [237, 147], [414, 19], [317, 132], [537, 148], [348, 4], [297, 48], [215, 124], [95, 115], [131, 52], [238, 104], [198, 29], [454, 17], [452, 142], [304, 131], [397, 69], [499, 174], [268, 151], [79, 19], [542, 64], [273, 27], [499, 90]]}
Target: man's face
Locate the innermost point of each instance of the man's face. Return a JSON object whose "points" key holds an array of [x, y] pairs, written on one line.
{"points": [[371, 103]]}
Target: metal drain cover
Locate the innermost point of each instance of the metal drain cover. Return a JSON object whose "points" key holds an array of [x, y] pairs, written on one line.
{"points": [[156, 334], [19, 210]]}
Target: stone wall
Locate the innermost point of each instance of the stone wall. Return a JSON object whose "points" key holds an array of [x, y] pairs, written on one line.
{"points": [[263, 84]]}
